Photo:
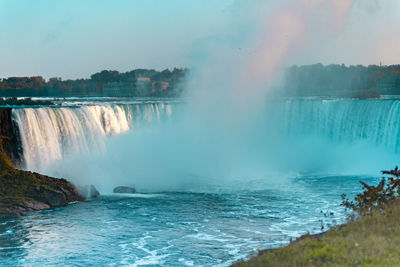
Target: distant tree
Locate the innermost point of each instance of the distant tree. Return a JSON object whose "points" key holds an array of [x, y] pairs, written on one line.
{"points": [[125, 82], [105, 76]]}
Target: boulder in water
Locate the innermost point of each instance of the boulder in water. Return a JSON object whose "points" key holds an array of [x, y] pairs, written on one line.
{"points": [[88, 191], [124, 190]]}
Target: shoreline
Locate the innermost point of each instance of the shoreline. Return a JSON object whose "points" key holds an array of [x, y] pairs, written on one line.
{"points": [[262, 252], [370, 240]]}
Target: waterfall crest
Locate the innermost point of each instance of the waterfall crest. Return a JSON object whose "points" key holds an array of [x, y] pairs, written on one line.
{"points": [[344, 121], [49, 134]]}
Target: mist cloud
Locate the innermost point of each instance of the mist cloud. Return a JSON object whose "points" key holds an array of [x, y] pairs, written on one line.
{"points": [[221, 133]]}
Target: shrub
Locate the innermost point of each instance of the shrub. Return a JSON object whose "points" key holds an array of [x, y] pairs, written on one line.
{"points": [[375, 197]]}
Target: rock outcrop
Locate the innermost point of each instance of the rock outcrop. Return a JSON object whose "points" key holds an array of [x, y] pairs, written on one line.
{"points": [[24, 191]]}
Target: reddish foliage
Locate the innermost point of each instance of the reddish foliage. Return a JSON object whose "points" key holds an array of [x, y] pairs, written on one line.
{"points": [[377, 196]]}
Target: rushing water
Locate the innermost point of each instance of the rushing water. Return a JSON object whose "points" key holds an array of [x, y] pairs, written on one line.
{"points": [[208, 225], [49, 134], [375, 121], [174, 228]]}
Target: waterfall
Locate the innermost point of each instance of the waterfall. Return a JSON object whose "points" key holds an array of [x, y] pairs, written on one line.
{"points": [[49, 134], [344, 121]]}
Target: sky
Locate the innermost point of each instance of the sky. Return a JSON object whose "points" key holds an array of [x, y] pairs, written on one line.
{"points": [[76, 38]]}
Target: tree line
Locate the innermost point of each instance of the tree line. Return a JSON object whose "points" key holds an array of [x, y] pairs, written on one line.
{"points": [[138, 82], [341, 80], [310, 80]]}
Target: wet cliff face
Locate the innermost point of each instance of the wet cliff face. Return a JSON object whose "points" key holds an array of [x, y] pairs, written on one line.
{"points": [[9, 136]]}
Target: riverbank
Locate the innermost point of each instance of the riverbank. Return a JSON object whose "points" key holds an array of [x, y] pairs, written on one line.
{"points": [[372, 240]]}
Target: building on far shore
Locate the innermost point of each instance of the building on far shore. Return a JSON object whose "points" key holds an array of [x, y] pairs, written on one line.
{"points": [[144, 86]]}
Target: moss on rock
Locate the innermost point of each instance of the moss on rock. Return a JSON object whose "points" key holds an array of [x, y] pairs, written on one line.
{"points": [[23, 191]]}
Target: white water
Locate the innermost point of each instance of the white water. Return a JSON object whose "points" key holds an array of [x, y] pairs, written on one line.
{"points": [[376, 122], [50, 134], [349, 137]]}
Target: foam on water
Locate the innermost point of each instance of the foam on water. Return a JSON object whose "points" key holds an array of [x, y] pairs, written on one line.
{"points": [[191, 229], [135, 195]]}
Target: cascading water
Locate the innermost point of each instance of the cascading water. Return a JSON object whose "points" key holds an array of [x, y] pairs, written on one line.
{"points": [[344, 121], [49, 134]]}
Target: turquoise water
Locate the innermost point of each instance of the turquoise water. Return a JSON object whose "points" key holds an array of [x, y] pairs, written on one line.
{"points": [[213, 228], [203, 205]]}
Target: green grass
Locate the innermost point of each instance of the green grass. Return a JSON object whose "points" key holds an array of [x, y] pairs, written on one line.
{"points": [[372, 240]]}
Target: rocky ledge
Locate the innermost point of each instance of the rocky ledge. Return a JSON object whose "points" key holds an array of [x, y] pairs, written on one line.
{"points": [[24, 191]]}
